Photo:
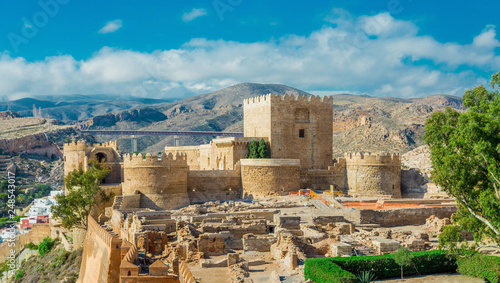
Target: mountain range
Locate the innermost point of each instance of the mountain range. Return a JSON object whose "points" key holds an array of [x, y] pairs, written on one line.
{"points": [[360, 122]]}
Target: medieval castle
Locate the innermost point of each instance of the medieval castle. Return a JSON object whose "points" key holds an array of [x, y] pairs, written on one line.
{"points": [[298, 131]]}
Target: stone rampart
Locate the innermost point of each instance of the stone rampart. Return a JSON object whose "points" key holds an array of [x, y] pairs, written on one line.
{"points": [[34, 235], [373, 175], [212, 185], [101, 255], [269, 177]]}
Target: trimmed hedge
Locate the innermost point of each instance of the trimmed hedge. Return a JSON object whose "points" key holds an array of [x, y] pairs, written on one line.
{"points": [[383, 266], [482, 266], [323, 270]]}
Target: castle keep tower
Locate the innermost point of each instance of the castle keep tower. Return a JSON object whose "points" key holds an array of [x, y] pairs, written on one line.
{"points": [[162, 182], [298, 127], [373, 175]]}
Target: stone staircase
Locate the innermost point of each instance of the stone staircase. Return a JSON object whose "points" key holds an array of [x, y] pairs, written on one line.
{"points": [[320, 205]]}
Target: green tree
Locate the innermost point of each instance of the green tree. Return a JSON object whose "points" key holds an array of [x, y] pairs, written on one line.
{"points": [[465, 153], [83, 192], [402, 257], [252, 150], [262, 149]]}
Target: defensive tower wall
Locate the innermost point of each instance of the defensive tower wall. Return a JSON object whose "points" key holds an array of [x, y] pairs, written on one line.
{"points": [[79, 153], [297, 127], [373, 175], [162, 182]]}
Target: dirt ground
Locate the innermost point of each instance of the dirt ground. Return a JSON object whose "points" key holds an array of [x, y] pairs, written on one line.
{"points": [[437, 278]]}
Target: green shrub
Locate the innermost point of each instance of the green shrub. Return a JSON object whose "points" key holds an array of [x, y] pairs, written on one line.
{"points": [[31, 246], [45, 246], [366, 277], [382, 266], [19, 274], [480, 265], [322, 270]]}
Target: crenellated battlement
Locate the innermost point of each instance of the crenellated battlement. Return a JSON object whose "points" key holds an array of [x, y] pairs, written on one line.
{"points": [[132, 254], [82, 145], [113, 144], [368, 159], [75, 146], [96, 229], [179, 159], [278, 98]]}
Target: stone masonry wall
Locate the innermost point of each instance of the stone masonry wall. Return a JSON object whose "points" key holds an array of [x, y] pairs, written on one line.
{"points": [[101, 256], [322, 179], [369, 175], [211, 185], [192, 154], [399, 217], [35, 235], [161, 182], [297, 126], [269, 177]]}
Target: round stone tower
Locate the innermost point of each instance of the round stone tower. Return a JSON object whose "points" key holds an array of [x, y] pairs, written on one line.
{"points": [[373, 175], [162, 182]]}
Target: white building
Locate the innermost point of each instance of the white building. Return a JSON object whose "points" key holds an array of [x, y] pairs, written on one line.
{"points": [[41, 206]]}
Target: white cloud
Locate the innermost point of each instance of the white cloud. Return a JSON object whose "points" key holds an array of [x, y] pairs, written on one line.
{"points": [[339, 57], [111, 26], [193, 14]]}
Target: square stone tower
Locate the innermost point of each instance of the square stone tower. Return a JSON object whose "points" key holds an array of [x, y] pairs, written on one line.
{"points": [[298, 127]]}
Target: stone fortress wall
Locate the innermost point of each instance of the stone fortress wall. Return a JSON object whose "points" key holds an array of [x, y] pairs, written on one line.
{"points": [[269, 177], [162, 182], [373, 175], [298, 132], [101, 257]]}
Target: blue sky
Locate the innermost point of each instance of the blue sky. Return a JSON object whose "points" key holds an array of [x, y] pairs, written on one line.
{"points": [[172, 49]]}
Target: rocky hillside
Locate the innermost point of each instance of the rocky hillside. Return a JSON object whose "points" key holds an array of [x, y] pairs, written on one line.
{"points": [[384, 124]]}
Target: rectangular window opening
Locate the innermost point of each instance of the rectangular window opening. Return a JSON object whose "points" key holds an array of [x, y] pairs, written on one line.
{"points": [[302, 133]]}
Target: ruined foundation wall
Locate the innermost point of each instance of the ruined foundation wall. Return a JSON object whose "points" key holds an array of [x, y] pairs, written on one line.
{"points": [[399, 217], [269, 177], [212, 185], [101, 255], [370, 175]]}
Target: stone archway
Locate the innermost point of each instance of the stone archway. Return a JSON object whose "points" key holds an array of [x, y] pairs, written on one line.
{"points": [[101, 157]]}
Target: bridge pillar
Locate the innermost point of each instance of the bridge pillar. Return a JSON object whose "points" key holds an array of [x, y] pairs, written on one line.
{"points": [[134, 143], [176, 140]]}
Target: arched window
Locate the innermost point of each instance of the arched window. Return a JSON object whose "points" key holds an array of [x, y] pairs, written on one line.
{"points": [[101, 157]]}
